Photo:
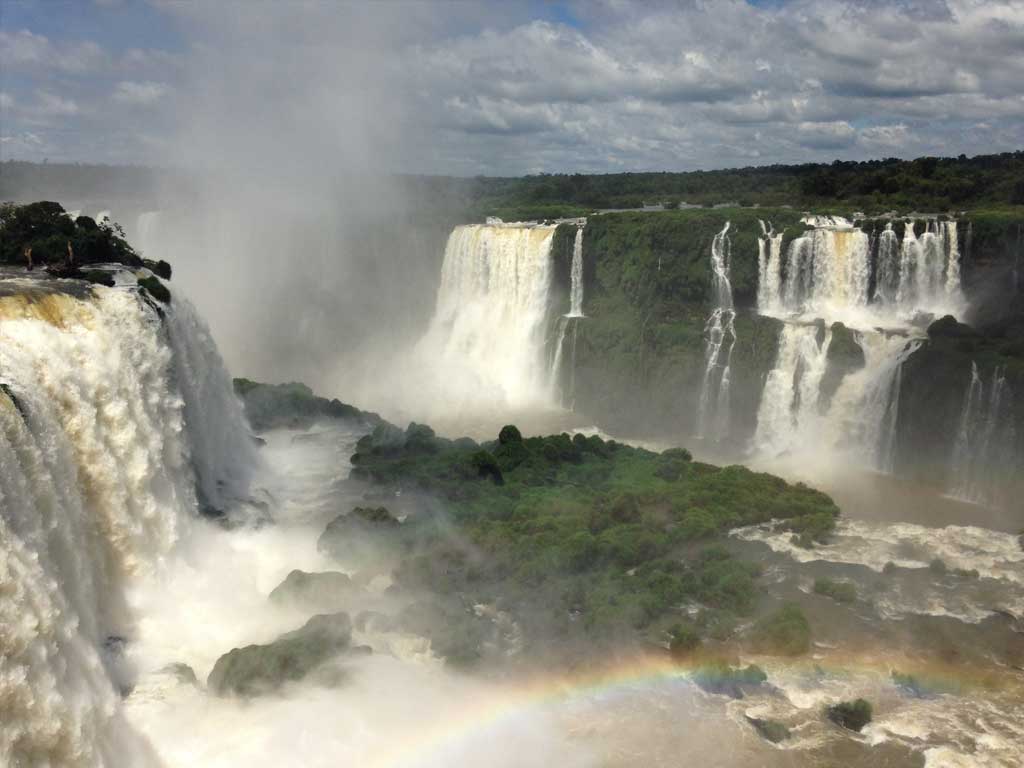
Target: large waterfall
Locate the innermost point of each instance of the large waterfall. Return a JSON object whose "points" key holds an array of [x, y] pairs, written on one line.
{"points": [[720, 338], [576, 276], [487, 335], [836, 272], [111, 417]]}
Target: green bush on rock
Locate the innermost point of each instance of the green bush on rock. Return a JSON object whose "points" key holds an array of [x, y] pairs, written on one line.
{"points": [[852, 715]]}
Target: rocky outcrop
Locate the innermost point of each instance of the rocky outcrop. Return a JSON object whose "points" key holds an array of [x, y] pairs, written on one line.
{"points": [[258, 669], [294, 406]]}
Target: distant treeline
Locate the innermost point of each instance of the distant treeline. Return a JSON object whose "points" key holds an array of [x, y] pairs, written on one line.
{"points": [[927, 183]]}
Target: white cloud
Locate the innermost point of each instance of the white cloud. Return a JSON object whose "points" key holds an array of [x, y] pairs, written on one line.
{"points": [[144, 93], [26, 51], [51, 105], [888, 136]]}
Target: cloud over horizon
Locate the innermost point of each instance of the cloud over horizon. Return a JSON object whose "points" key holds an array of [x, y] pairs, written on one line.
{"points": [[521, 88]]}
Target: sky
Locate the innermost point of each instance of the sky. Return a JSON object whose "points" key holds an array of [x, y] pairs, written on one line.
{"points": [[505, 88]]}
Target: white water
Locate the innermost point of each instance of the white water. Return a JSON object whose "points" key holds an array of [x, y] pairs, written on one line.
{"points": [[486, 339], [720, 334], [576, 276], [826, 275], [769, 266], [984, 450], [96, 485], [789, 402]]}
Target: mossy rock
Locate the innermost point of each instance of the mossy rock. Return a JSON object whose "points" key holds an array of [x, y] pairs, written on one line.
{"points": [[259, 669], [156, 289]]}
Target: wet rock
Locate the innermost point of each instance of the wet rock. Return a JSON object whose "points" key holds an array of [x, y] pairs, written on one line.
{"points": [[258, 669]]}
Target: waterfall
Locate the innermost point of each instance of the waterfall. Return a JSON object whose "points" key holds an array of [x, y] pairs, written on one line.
{"points": [[862, 418], [223, 454], [984, 448], [576, 286], [556, 360], [99, 465], [826, 269], [827, 272], [929, 277], [720, 334], [487, 337], [836, 273], [789, 402], [769, 269], [887, 281]]}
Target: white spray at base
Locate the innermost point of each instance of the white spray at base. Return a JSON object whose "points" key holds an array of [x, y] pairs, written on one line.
{"points": [[97, 482], [720, 334]]}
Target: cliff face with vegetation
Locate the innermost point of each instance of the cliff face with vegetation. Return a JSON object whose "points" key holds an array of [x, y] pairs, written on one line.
{"points": [[636, 362]]}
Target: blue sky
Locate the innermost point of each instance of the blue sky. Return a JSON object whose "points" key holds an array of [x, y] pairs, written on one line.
{"points": [[464, 88]]}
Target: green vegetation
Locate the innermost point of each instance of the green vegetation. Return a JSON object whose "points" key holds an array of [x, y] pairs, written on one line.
{"points": [[683, 640], [152, 286], [42, 233], [615, 536], [784, 633], [852, 715], [293, 406], [840, 591]]}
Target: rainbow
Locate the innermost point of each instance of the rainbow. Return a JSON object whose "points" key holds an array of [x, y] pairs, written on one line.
{"points": [[491, 710]]}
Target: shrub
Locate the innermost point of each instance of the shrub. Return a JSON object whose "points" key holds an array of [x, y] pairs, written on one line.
{"points": [[852, 715], [840, 591], [683, 640], [785, 632]]}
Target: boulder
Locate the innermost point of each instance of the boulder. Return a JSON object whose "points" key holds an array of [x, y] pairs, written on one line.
{"points": [[770, 730], [258, 669]]}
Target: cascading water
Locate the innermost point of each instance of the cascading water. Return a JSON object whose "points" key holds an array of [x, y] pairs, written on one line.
{"points": [[576, 276], [769, 268], [789, 402], [488, 331], [564, 394], [97, 481], [887, 278], [827, 275], [984, 450], [720, 334]]}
